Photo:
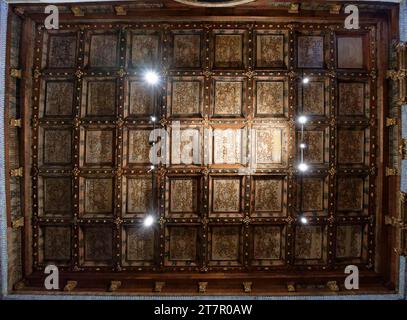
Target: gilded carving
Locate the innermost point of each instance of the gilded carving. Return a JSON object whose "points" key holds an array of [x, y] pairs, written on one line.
{"points": [[184, 195], [270, 51], [270, 98], [310, 52], [314, 152], [268, 195], [314, 98], [186, 96], [269, 146], [228, 51], [228, 98], [226, 195]]}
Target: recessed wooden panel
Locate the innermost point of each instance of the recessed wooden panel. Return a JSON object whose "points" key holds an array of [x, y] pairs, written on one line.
{"points": [[99, 146], [268, 245], [350, 194], [224, 245], [57, 193], [226, 196], [350, 52], [139, 146], [270, 51], [352, 101], [310, 245], [351, 146], [181, 245], [270, 98], [269, 196], [103, 50], [228, 50], [59, 98], [183, 197], [97, 196], [187, 50], [140, 99], [349, 241], [316, 142], [97, 249], [310, 51], [270, 146], [228, 99], [144, 50], [57, 146], [138, 199], [101, 98], [314, 196], [314, 98], [57, 244], [228, 146], [186, 97], [62, 51], [138, 246]]}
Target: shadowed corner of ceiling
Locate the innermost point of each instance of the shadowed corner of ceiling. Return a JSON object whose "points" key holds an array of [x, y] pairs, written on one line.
{"points": [[214, 3]]}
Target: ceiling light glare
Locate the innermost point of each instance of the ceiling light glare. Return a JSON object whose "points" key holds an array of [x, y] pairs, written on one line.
{"points": [[303, 167], [148, 221], [153, 119], [305, 80], [303, 145], [304, 220], [151, 77], [302, 119]]}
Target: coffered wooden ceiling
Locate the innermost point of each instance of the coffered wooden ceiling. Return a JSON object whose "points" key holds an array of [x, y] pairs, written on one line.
{"points": [[232, 215]]}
